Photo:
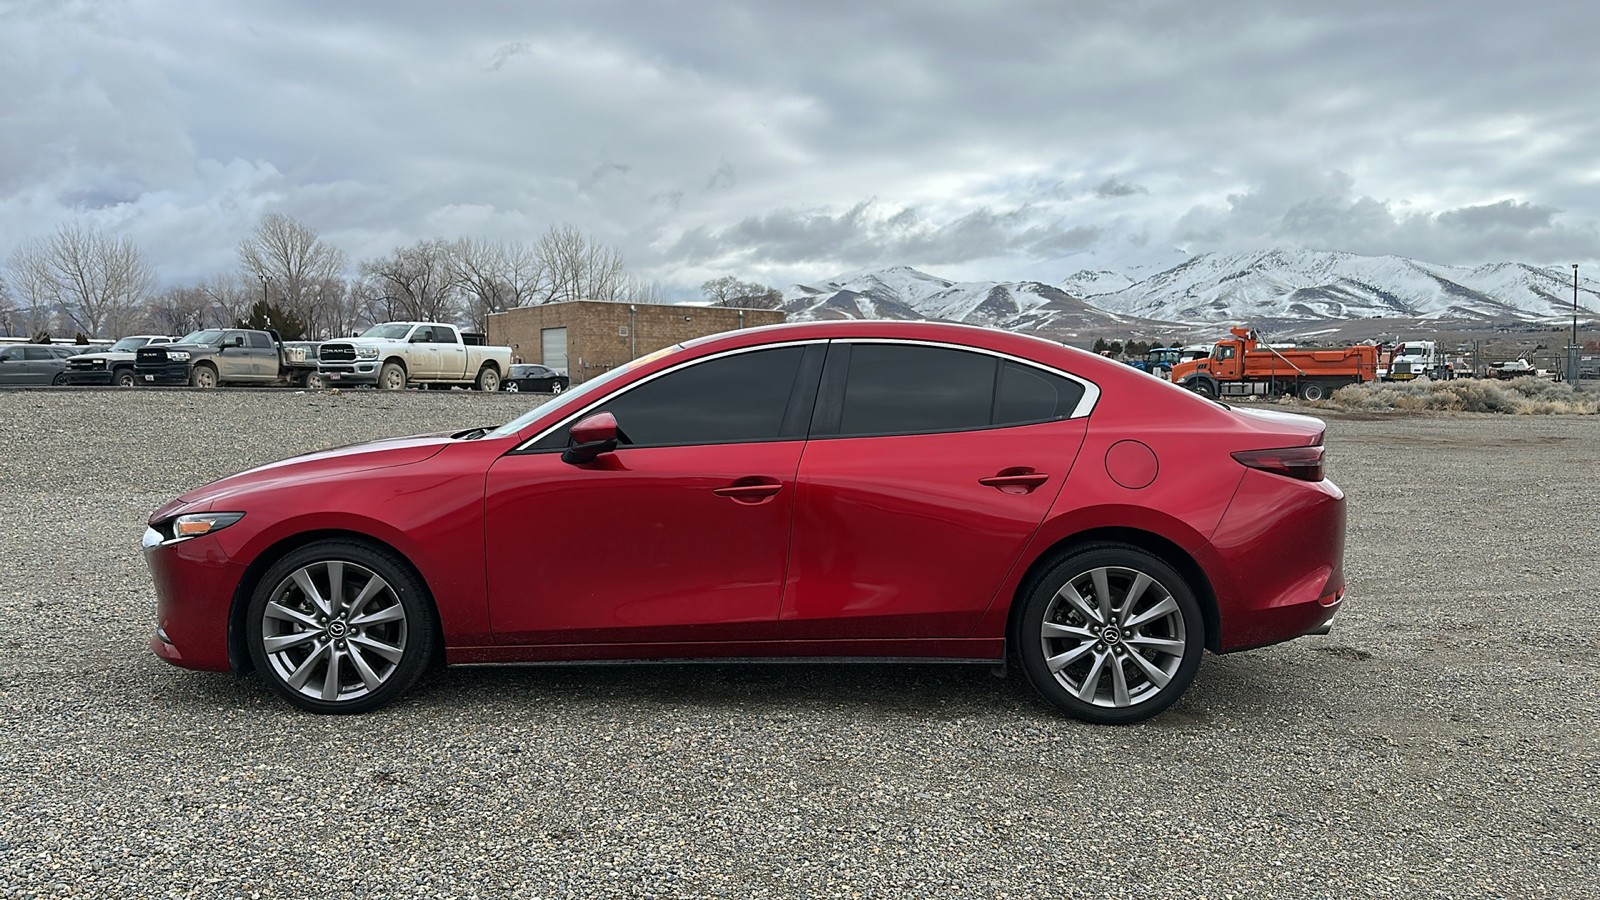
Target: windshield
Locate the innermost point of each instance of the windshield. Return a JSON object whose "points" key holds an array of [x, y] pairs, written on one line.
{"points": [[578, 393], [126, 345], [392, 331], [209, 336]]}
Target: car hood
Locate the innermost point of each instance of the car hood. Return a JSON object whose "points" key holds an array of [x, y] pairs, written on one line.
{"points": [[388, 453], [118, 356]]}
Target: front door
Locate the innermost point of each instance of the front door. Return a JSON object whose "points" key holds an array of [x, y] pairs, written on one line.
{"points": [[680, 535]]}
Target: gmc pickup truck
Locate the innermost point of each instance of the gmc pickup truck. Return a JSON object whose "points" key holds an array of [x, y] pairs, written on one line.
{"points": [[215, 356], [396, 354]]}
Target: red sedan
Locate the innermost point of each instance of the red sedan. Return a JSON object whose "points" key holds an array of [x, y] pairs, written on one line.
{"points": [[861, 490]]}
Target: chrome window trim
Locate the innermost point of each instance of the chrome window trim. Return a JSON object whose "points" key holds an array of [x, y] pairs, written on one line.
{"points": [[1086, 403]]}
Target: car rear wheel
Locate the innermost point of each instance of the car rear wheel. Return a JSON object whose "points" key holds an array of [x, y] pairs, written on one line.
{"points": [[488, 379], [60, 379], [1110, 634], [203, 377], [339, 627], [392, 377]]}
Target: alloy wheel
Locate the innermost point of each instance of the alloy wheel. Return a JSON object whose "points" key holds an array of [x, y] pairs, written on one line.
{"points": [[1113, 637], [334, 631]]}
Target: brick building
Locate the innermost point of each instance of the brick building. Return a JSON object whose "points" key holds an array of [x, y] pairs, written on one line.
{"points": [[589, 338]]}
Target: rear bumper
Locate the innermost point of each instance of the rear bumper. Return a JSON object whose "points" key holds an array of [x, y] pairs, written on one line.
{"points": [[1281, 546]]}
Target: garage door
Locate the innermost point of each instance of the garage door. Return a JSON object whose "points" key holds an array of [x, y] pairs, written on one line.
{"points": [[555, 347]]}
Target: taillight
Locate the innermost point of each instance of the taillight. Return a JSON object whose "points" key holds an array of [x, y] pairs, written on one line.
{"points": [[1304, 463]]}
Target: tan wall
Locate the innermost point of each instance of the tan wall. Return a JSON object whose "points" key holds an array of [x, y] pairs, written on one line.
{"points": [[594, 342]]}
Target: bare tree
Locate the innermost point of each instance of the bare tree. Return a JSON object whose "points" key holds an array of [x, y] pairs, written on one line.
{"points": [[730, 291], [418, 281], [8, 309], [295, 267], [495, 276], [180, 310], [230, 298], [97, 281], [578, 267]]}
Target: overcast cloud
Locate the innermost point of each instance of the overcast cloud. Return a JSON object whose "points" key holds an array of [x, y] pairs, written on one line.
{"points": [[791, 141]]}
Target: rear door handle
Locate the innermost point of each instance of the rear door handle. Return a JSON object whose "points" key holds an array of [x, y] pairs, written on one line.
{"points": [[1018, 480], [749, 490]]}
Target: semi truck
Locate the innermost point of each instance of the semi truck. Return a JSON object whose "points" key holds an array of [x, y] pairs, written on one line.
{"points": [[1418, 359], [1245, 366]]}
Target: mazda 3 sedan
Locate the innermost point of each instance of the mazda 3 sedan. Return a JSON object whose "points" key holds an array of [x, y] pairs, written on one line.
{"points": [[843, 490]]}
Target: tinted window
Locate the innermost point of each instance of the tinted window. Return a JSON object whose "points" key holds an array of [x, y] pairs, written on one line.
{"points": [[39, 353], [898, 389], [258, 341], [444, 334], [1032, 395], [11, 353], [729, 400]]}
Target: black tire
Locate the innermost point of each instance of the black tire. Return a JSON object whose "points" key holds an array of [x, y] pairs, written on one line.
{"points": [[510, 387], [124, 378], [1313, 390], [392, 377], [60, 379], [203, 376], [1087, 653], [488, 379], [1204, 388], [557, 387], [330, 651]]}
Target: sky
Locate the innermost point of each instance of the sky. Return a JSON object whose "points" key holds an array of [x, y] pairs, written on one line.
{"points": [[787, 142]]}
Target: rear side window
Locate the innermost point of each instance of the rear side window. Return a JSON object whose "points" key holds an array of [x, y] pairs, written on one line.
{"points": [[258, 341], [1027, 394], [735, 399], [901, 389]]}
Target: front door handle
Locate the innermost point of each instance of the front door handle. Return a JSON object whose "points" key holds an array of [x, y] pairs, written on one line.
{"points": [[749, 490], [1016, 480]]}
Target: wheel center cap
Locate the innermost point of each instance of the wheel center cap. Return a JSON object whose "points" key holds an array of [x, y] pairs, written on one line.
{"points": [[336, 628], [1110, 635]]}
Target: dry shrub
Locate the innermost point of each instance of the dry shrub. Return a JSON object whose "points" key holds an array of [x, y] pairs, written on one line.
{"points": [[1517, 396]]}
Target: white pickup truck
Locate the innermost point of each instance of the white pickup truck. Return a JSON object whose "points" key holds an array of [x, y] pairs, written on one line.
{"points": [[396, 354]]}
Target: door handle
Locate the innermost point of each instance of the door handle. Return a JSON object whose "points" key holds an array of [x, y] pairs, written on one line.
{"points": [[1018, 480], [749, 490]]}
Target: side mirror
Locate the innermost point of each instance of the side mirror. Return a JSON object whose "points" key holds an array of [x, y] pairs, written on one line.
{"points": [[591, 437]]}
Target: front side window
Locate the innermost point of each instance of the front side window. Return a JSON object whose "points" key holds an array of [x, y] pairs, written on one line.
{"points": [[733, 399]]}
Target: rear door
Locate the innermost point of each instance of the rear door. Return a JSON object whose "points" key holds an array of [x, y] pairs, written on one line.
{"points": [[452, 353], [928, 469]]}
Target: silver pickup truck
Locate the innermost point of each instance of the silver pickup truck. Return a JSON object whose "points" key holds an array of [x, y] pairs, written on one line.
{"points": [[396, 354]]}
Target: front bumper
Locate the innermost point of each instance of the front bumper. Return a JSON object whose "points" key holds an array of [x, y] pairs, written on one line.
{"points": [[88, 376], [359, 373], [194, 585], [171, 373]]}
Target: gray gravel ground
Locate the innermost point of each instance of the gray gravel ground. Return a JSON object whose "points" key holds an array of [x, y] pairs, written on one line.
{"points": [[1441, 742]]}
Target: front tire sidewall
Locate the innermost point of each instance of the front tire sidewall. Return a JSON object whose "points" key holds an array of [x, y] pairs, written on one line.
{"points": [[391, 377], [203, 377], [124, 378], [421, 635], [1036, 600]]}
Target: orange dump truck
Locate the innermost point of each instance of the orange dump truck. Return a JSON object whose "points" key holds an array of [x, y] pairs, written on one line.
{"points": [[1243, 366]]}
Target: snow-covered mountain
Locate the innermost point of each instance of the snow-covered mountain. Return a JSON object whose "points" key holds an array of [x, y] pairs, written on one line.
{"points": [[1281, 287], [1308, 285], [902, 292]]}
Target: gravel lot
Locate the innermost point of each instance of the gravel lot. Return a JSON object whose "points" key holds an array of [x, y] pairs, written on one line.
{"points": [[1441, 742]]}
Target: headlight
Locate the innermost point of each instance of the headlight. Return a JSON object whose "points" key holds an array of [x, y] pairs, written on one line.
{"points": [[366, 353], [188, 526], [178, 355]]}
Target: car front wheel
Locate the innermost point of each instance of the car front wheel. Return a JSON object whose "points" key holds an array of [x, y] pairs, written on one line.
{"points": [[340, 627], [391, 377], [1110, 634]]}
